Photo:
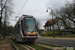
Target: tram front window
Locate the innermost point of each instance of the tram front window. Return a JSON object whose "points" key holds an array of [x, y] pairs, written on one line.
{"points": [[30, 25]]}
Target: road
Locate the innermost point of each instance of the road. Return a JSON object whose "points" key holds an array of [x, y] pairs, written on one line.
{"points": [[67, 43]]}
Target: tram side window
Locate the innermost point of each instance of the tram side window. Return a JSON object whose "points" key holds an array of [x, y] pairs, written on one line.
{"points": [[22, 26], [18, 28]]}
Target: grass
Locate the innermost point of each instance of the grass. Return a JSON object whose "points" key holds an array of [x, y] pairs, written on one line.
{"points": [[18, 45], [64, 48], [1, 40], [67, 36], [48, 44], [38, 47], [29, 44]]}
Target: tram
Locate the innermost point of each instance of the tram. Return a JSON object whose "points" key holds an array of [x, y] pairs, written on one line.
{"points": [[25, 29]]}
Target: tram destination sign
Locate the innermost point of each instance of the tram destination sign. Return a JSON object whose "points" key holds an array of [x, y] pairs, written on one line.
{"points": [[29, 18]]}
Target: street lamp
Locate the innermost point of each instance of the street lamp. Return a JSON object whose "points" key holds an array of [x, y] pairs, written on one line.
{"points": [[52, 20]]}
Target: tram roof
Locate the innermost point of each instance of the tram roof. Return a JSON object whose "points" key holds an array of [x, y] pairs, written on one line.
{"points": [[27, 16]]}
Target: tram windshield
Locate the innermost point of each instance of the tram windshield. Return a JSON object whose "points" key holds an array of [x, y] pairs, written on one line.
{"points": [[30, 25]]}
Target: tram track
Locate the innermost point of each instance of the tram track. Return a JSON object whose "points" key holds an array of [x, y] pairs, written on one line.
{"points": [[27, 47], [13, 45]]}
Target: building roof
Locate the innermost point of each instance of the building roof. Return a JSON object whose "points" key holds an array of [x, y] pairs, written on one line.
{"points": [[50, 22], [54, 20]]}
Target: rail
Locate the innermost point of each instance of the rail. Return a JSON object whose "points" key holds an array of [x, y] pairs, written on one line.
{"points": [[27, 47], [13, 45]]}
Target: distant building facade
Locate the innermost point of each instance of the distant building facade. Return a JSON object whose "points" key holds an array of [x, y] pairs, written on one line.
{"points": [[48, 25]]}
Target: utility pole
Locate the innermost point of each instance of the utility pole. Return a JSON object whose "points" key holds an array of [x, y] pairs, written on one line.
{"points": [[0, 15], [53, 24], [5, 18], [0, 8], [5, 21], [52, 21], [1, 11]]}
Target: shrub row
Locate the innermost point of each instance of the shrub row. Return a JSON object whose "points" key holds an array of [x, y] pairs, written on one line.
{"points": [[73, 31], [49, 33]]}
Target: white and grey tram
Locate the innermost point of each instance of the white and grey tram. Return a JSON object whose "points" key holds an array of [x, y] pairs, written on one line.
{"points": [[25, 29]]}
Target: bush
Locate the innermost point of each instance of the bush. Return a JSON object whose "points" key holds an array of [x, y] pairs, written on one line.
{"points": [[56, 33], [43, 34], [49, 33], [73, 31]]}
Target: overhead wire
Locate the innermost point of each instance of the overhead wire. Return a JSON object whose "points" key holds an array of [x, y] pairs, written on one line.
{"points": [[22, 7]]}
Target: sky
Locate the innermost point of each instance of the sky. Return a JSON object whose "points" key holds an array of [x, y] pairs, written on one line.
{"points": [[36, 8]]}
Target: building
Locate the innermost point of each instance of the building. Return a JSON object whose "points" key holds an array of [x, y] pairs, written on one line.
{"points": [[48, 25]]}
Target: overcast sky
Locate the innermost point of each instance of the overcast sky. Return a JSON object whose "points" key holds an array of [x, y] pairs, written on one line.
{"points": [[37, 8]]}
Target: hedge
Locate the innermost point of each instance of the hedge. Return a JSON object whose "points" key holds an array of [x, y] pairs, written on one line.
{"points": [[73, 31], [49, 33]]}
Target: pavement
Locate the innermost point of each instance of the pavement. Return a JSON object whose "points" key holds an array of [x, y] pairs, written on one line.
{"points": [[63, 38], [67, 42]]}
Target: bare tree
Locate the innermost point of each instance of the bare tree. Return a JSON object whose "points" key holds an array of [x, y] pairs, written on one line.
{"points": [[8, 7], [6, 11], [66, 14], [38, 25]]}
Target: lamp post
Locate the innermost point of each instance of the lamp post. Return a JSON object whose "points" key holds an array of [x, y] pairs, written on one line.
{"points": [[52, 20]]}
